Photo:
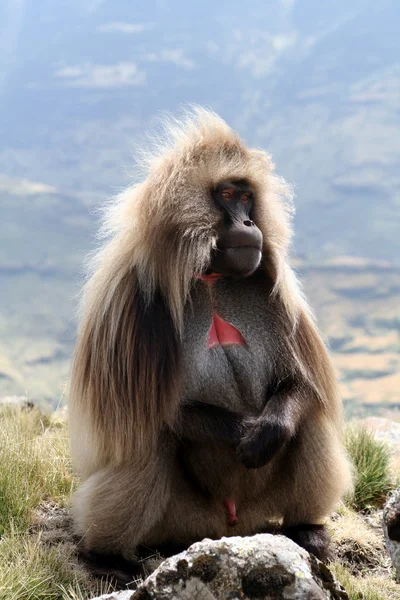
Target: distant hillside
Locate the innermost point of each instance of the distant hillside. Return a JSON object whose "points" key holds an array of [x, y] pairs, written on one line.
{"points": [[357, 306]]}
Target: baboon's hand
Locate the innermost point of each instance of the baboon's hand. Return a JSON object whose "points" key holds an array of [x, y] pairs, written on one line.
{"points": [[262, 439]]}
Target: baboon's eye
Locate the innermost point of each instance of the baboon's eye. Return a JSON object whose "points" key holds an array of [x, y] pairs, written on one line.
{"points": [[227, 195], [245, 198]]}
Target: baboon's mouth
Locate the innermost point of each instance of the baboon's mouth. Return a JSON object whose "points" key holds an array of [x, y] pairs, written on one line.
{"points": [[240, 247]]}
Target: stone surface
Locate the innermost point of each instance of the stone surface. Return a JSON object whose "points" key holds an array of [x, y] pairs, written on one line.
{"points": [[391, 529], [116, 596], [257, 567]]}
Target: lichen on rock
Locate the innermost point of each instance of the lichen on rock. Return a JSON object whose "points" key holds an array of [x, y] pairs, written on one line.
{"points": [[391, 529], [261, 566]]}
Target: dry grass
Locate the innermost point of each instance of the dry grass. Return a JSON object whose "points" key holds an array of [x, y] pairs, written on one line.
{"points": [[358, 546], [368, 587], [34, 463], [35, 470]]}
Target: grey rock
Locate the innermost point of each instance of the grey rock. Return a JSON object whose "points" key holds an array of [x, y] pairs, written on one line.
{"points": [[239, 568], [116, 596], [391, 529]]}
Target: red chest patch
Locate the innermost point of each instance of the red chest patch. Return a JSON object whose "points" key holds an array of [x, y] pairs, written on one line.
{"points": [[221, 332]]}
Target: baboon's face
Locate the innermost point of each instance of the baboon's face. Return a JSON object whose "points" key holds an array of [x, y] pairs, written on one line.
{"points": [[239, 244]]}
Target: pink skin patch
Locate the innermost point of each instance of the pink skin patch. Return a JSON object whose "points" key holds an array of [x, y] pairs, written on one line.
{"points": [[210, 278], [231, 508], [221, 332]]}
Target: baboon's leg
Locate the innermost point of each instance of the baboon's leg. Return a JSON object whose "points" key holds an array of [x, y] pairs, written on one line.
{"points": [[116, 507], [317, 473], [313, 538]]}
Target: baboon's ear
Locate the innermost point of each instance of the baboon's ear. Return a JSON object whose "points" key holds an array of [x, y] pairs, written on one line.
{"points": [[130, 357]]}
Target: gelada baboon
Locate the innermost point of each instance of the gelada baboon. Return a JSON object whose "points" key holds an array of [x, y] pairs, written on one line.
{"points": [[203, 402]]}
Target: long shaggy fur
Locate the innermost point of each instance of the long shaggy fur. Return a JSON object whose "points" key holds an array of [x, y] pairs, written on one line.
{"points": [[159, 233]]}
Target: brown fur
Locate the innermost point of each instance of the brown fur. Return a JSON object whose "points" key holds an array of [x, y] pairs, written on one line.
{"points": [[125, 389]]}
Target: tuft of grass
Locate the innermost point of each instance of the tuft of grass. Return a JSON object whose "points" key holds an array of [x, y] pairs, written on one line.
{"points": [[358, 546], [34, 465], [372, 587], [35, 471], [371, 459], [31, 570]]}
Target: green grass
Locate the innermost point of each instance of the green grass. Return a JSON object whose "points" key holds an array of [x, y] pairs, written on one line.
{"points": [[373, 479], [31, 570], [34, 465], [34, 469], [373, 587]]}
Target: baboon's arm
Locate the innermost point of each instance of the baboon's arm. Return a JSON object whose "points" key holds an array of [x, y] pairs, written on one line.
{"points": [[199, 422], [264, 435]]}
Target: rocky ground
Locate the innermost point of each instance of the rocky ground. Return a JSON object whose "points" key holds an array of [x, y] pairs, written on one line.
{"points": [[358, 546]]}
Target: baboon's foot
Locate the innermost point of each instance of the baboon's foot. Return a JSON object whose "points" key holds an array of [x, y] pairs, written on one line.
{"points": [[119, 571], [313, 538]]}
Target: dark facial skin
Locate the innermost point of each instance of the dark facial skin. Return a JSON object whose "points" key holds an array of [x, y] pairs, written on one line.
{"points": [[239, 245]]}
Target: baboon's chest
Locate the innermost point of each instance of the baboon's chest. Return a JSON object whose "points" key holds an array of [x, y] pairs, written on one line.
{"points": [[230, 343]]}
